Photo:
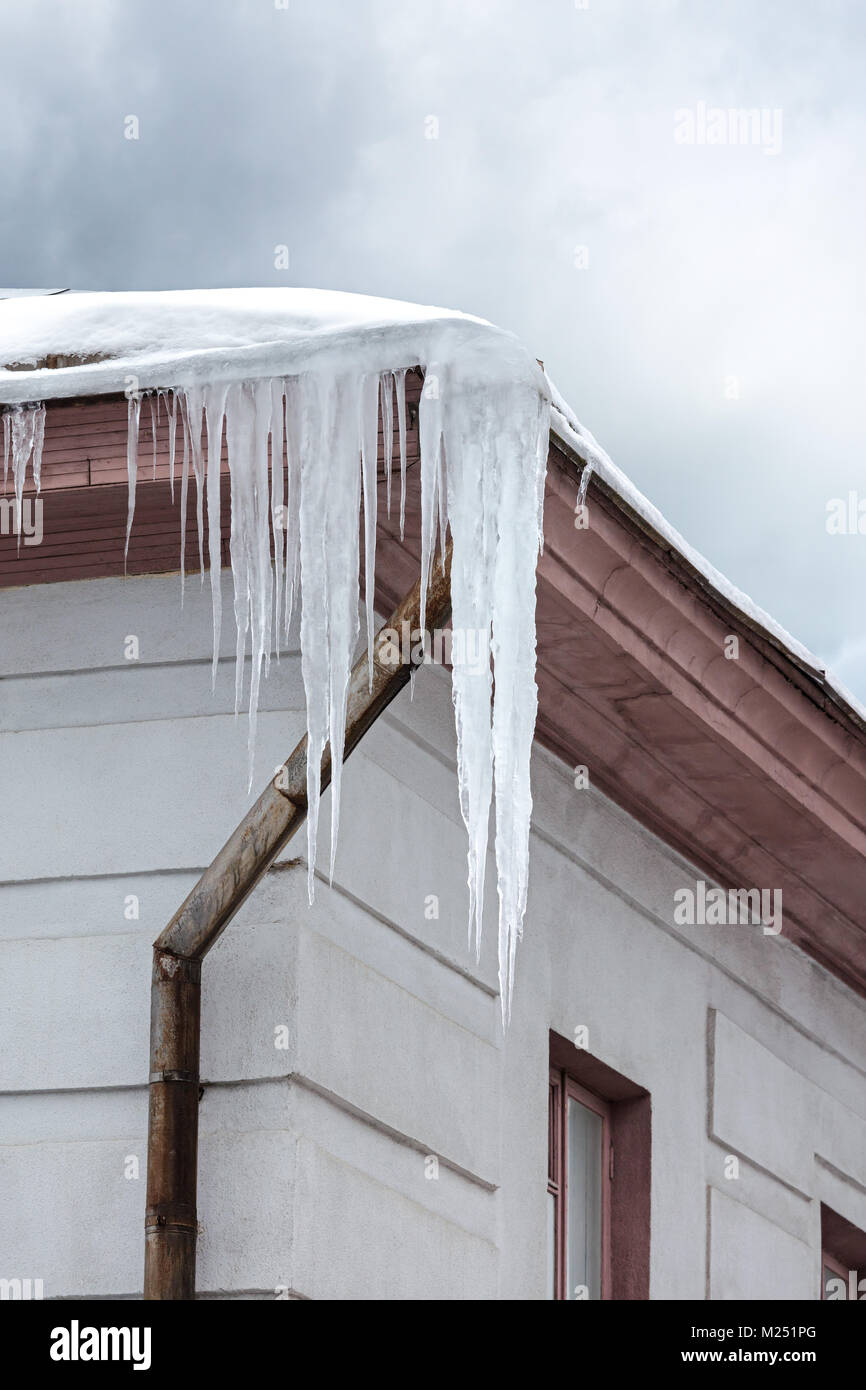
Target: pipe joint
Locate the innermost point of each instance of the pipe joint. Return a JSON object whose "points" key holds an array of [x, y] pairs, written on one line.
{"points": [[172, 969]]}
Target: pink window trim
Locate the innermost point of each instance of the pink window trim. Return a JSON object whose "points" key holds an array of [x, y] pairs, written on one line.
{"points": [[627, 1233], [555, 1162]]}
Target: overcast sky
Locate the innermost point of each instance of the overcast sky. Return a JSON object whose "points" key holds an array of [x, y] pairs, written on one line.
{"points": [[700, 305]]}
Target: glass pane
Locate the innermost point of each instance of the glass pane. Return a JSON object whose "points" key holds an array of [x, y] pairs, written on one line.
{"points": [[551, 1245], [583, 1201]]}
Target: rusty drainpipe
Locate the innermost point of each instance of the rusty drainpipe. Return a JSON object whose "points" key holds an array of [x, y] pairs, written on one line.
{"points": [[175, 1009]]}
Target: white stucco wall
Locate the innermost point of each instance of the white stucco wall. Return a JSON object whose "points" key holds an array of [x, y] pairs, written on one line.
{"points": [[123, 778]]}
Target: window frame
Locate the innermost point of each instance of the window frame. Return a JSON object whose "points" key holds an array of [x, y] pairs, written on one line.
{"points": [[562, 1088]]}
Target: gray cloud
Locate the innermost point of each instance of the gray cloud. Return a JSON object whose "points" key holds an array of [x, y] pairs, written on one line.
{"points": [[306, 126]]}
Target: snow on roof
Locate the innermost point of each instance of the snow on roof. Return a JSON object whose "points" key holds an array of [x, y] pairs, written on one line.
{"points": [[565, 425], [55, 345], [26, 294], [91, 344]]}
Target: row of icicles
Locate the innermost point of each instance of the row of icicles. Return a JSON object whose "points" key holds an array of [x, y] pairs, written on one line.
{"points": [[295, 531]]}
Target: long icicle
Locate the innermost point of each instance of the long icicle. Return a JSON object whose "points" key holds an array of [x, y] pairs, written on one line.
{"points": [[195, 409], [172, 438], [7, 442], [133, 414], [184, 492], [278, 515], [387, 434], [153, 401], [293, 501], [369, 419], [215, 404], [400, 389]]}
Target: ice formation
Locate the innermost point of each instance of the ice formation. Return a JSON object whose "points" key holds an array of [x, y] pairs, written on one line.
{"points": [[316, 399], [23, 436]]}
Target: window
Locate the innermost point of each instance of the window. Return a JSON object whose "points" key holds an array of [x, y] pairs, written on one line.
{"points": [[579, 1171], [598, 1226], [843, 1258]]}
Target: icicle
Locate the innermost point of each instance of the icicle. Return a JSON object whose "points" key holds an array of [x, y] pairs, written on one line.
{"points": [[443, 506], [239, 426], [368, 424], [248, 411], [21, 448], [153, 409], [293, 501], [194, 408], [522, 424], [23, 438], [329, 513], [180, 398], [133, 414], [387, 434], [430, 435], [7, 430], [171, 411], [38, 412], [278, 515], [400, 387], [542, 445], [214, 407], [261, 571], [584, 483], [471, 494]]}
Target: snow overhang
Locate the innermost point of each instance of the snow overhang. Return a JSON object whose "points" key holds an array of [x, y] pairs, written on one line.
{"points": [[74, 345]]}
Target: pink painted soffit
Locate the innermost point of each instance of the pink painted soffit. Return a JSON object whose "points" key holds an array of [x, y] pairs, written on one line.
{"points": [[753, 769]]}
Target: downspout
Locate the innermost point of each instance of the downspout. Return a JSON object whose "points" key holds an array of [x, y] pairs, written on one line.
{"points": [[175, 1009]]}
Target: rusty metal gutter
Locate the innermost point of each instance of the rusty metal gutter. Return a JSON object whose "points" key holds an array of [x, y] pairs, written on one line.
{"points": [[172, 1140]]}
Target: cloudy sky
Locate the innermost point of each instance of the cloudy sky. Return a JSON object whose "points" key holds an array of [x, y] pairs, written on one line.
{"points": [[700, 304]]}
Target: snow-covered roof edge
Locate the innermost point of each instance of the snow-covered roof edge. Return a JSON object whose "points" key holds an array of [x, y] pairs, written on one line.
{"points": [[568, 430], [70, 345], [110, 342]]}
